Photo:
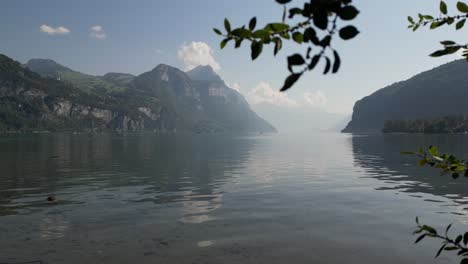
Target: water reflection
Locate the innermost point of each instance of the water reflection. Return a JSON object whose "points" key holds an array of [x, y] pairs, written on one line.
{"points": [[189, 170], [380, 156]]}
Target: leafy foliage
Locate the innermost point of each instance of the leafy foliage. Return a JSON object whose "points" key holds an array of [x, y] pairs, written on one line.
{"points": [[457, 243], [317, 28], [445, 162], [454, 166], [444, 19]]}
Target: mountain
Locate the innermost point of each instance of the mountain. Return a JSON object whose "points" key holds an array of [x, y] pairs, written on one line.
{"points": [[223, 103], [299, 119], [119, 79], [30, 102], [47, 68], [439, 92], [50, 69], [44, 95], [204, 73]]}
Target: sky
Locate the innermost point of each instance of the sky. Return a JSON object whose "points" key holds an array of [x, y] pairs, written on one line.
{"points": [[97, 37]]}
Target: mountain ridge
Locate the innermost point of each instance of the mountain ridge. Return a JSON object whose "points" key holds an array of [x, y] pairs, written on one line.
{"points": [[438, 92], [162, 99]]}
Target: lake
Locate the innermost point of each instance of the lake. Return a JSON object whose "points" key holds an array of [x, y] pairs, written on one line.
{"points": [[182, 198]]}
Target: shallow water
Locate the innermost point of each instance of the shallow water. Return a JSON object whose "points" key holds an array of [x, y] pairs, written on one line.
{"points": [[147, 198]]}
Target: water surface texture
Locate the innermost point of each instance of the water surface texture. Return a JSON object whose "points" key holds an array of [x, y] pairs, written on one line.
{"points": [[148, 198]]}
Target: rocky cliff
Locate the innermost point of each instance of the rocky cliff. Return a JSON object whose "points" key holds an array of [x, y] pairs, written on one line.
{"points": [[44, 95]]}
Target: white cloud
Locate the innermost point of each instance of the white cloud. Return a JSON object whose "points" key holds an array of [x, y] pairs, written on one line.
{"points": [[195, 54], [315, 99], [97, 32], [159, 51], [234, 86], [264, 93], [54, 30]]}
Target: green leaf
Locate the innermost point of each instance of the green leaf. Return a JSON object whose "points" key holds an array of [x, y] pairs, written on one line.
{"points": [[447, 229], [429, 229], [433, 151], [411, 20], [325, 42], [348, 12], [420, 238], [238, 43], [252, 23], [290, 81], [278, 45], [422, 162], [295, 60], [439, 53], [440, 250], [314, 62], [458, 239], [224, 42], [309, 34], [443, 7], [283, 1], [294, 11], [462, 7], [464, 261], [460, 24], [447, 43], [321, 19], [451, 248], [337, 63], [261, 33], [327, 65], [436, 24], [297, 37], [348, 32], [217, 31], [241, 32], [277, 27], [256, 49], [227, 25]]}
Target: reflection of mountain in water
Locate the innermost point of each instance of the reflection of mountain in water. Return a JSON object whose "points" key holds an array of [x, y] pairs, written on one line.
{"points": [[381, 156], [160, 169]]}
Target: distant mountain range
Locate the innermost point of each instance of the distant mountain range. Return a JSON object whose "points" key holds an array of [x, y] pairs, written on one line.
{"points": [[301, 119], [442, 91], [44, 95]]}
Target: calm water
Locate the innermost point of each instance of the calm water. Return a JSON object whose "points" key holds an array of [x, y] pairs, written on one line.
{"points": [[318, 198]]}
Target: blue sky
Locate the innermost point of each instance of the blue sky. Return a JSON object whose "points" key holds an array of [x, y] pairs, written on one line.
{"points": [[135, 36]]}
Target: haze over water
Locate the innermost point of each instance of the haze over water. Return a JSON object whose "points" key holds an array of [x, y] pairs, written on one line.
{"points": [[148, 198]]}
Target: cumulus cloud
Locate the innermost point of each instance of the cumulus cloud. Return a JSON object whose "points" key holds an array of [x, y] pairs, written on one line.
{"points": [[264, 93], [315, 99], [97, 32], [60, 30], [235, 86], [197, 53]]}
